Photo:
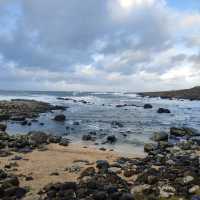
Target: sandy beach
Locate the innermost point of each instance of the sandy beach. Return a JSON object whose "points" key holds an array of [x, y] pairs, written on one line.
{"points": [[40, 165]]}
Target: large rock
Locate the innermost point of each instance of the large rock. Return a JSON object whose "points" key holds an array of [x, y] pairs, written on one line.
{"points": [[181, 132], [38, 137], [148, 147], [111, 139], [87, 137], [60, 118], [160, 136], [148, 106], [102, 165], [163, 110]]}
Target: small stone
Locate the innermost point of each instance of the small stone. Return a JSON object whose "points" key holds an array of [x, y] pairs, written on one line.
{"points": [[193, 189]]}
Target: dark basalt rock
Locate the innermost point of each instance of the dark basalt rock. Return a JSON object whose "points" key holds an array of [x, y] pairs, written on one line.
{"points": [[54, 139], [60, 118], [3, 127], [87, 137], [9, 187], [111, 139], [160, 136], [150, 147], [4, 117], [181, 132], [163, 110], [148, 106], [38, 137]]}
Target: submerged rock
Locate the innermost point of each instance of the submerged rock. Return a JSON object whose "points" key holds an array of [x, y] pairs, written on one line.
{"points": [[148, 106], [60, 118], [163, 110], [111, 139]]}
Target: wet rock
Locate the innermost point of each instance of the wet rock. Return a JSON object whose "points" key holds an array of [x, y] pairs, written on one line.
{"points": [[64, 142], [18, 118], [3, 127], [102, 165], [163, 110], [150, 147], [160, 136], [148, 106], [111, 139], [38, 137], [24, 123], [4, 117], [76, 123], [54, 139], [100, 196], [29, 178], [87, 137], [60, 118], [181, 132]]}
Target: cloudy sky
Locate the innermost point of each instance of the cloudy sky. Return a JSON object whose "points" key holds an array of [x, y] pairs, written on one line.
{"points": [[99, 45]]}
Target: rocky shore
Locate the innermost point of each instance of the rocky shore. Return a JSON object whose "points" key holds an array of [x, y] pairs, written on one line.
{"points": [[39, 166], [170, 170], [191, 94], [20, 109]]}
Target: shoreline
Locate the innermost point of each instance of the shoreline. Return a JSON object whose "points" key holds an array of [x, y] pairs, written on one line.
{"points": [[43, 166]]}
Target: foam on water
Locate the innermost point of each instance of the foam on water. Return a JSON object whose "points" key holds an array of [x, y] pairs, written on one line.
{"points": [[139, 123]]}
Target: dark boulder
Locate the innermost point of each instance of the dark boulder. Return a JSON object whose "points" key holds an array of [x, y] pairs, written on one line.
{"points": [[102, 165], [160, 136], [150, 147], [148, 106], [181, 132], [163, 110], [38, 137], [60, 118], [3, 127], [111, 139], [54, 139], [87, 137], [4, 117]]}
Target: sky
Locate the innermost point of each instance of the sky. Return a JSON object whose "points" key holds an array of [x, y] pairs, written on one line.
{"points": [[99, 45]]}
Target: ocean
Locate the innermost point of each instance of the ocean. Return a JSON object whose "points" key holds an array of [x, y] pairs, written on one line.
{"points": [[100, 110]]}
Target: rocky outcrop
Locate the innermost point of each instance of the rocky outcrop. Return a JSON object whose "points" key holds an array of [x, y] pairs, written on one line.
{"points": [[191, 94], [60, 118]]}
